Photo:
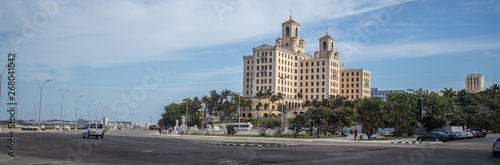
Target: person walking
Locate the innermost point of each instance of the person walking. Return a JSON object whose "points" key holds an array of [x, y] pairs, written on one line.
{"points": [[355, 134]]}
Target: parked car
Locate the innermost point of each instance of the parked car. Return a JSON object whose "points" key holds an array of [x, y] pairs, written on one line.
{"points": [[483, 131], [448, 138], [154, 127], [495, 150], [474, 133], [468, 134], [435, 136], [454, 135], [93, 129], [462, 134]]}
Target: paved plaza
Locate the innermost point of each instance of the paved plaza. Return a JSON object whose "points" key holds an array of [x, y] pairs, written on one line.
{"points": [[146, 147]]}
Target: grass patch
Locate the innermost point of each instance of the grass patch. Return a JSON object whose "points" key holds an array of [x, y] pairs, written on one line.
{"points": [[256, 143]]}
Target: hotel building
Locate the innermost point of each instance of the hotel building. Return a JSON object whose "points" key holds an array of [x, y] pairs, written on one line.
{"points": [[286, 68]]}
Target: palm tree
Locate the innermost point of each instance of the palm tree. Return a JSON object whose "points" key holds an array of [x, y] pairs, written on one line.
{"points": [[273, 99], [259, 95], [299, 121], [496, 90], [317, 116], [268, 93], [448, 93], [299, 95]]}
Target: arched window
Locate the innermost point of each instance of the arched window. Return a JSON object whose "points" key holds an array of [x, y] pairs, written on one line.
{"points": [[287, 32], [332, 46], [297, 32], [324, 46]]}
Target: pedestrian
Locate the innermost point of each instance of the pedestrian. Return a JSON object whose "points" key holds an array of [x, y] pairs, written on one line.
{"points": [[168, 130], [355, 134], [159, 129], [350, 131]]}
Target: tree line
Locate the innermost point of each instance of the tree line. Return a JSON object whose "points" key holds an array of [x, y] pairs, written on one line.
{"points": [[401, 111]]}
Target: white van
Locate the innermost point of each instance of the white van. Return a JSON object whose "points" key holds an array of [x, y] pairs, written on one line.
{"points": [[93, 129]]}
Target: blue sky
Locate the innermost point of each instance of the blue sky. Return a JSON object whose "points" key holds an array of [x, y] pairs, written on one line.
{"points": [[135, 57]]}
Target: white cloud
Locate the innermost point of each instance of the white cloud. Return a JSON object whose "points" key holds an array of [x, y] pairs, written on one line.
{"points": [[492, 55], [104, 33], [416, 49]]}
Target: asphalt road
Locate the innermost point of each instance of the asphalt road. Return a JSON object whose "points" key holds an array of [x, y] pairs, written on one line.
{"points": [[141, 147]]}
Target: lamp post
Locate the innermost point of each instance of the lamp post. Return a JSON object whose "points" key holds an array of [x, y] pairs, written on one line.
{"points": [[1, 76], [422, 106], [96, 105], [88, 109], [282, 102], [51, 107], [34, 117], [102, 113], [40, 107], [239, 111], [62, 101], [187, 102], [76, 109], [17, 105]]}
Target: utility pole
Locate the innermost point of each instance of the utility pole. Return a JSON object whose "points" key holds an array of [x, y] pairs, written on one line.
{"points": [[51, 107], [88, 109], [40, 107], [76, 110], [282, 103], [62, 101]]}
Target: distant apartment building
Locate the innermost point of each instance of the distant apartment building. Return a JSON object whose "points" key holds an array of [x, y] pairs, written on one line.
{"points": [[383, 94], [474, 82], [287, 68]]}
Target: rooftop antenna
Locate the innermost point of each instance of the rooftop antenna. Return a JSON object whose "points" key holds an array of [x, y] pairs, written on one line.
{"points": [[290, 14], [326, 30]]}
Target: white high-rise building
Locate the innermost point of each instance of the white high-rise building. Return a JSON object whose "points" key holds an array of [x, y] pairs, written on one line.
{"points": [[286, 68]]}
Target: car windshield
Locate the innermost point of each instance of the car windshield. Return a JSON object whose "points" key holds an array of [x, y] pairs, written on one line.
{"points": [[92, 125]]}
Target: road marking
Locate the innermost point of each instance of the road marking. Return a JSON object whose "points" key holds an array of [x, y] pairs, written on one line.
{"points": [[147, 151]]}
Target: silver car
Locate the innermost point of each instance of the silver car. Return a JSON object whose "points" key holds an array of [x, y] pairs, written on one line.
{"points": [[495, 149]]}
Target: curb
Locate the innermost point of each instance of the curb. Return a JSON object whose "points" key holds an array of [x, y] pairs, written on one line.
{"points": [[405, 142], [252, 145]]}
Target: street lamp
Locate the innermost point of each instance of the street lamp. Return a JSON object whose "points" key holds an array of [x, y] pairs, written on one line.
{"points": [[1, 76], [422, 106], [102, 113], [239, 111], [95, 118], [76, 109], [62, 101], [17, 105], [34, 117], [282, 102], [187, 102], [88, 109], [40, 107], [51, 107]]}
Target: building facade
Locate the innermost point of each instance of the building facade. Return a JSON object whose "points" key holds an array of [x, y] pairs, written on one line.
{"points": [[474, 82], [383, 94], [286, 68]]}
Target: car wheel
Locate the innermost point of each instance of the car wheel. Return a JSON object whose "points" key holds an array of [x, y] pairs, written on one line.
{"points": [[83, 136]]}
